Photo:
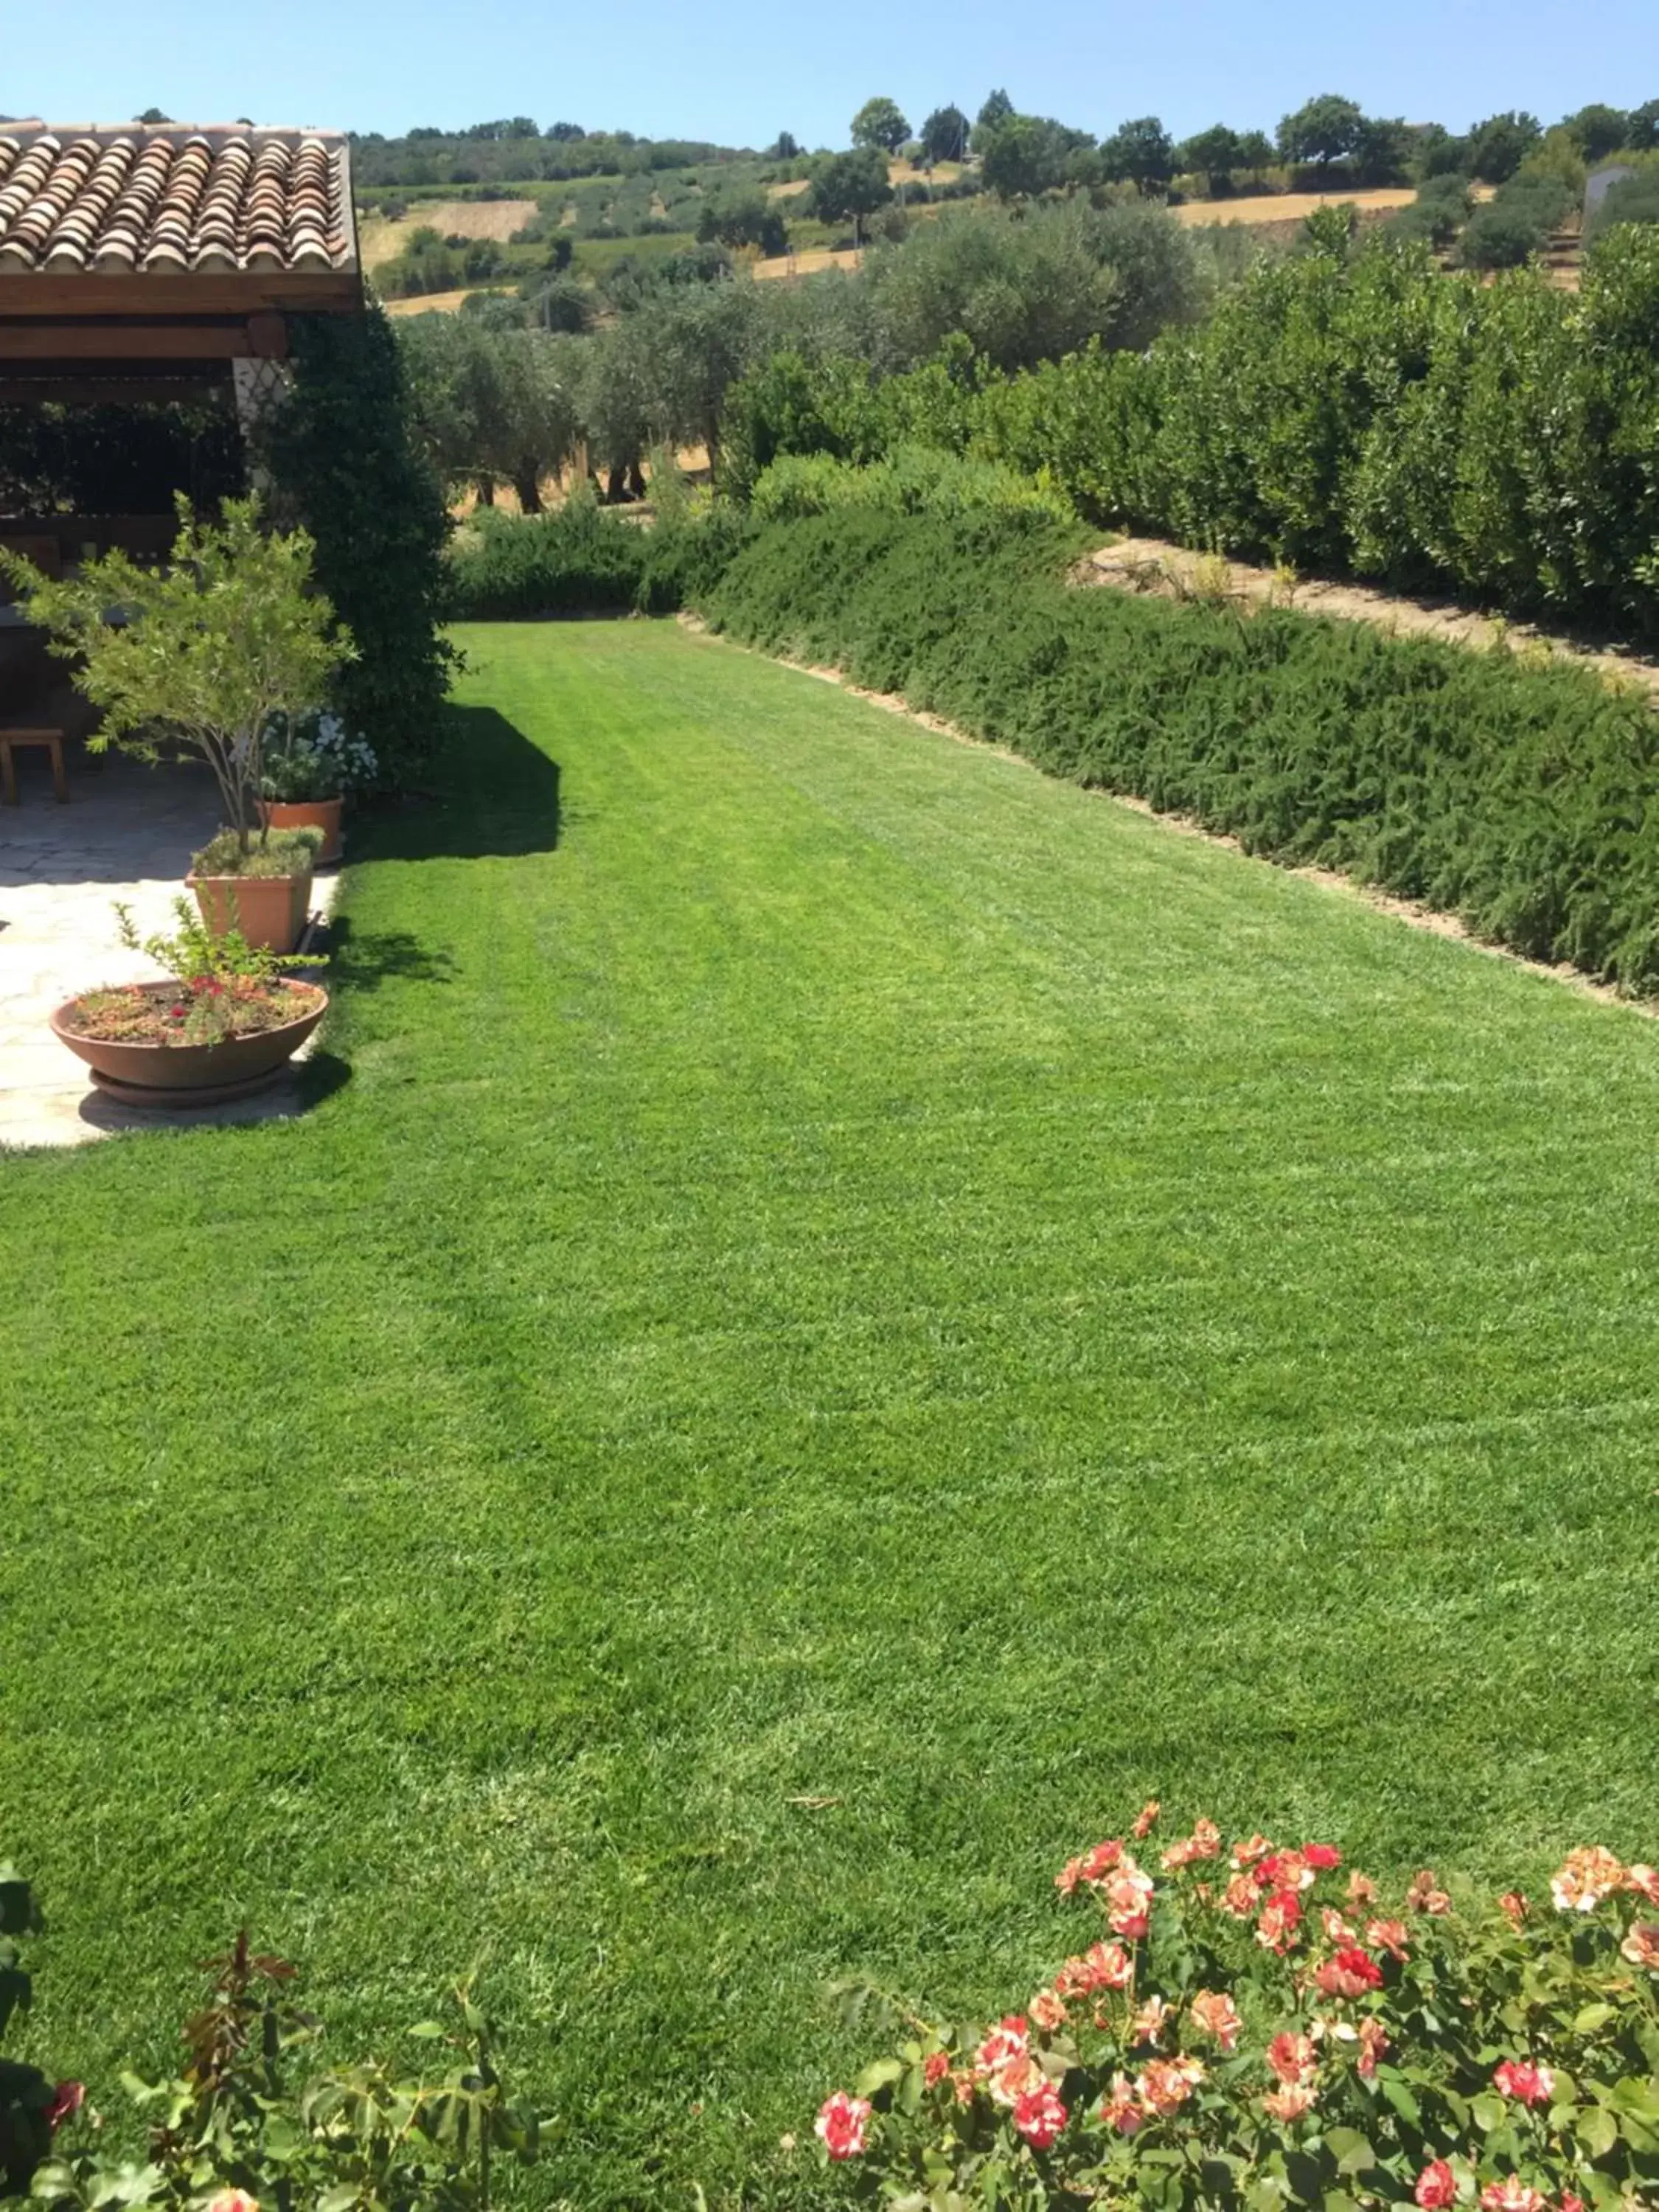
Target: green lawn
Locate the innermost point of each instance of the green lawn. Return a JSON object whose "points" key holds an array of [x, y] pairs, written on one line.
{"points": [[863, 1275]]}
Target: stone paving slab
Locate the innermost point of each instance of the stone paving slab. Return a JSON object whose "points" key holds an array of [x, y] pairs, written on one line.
{"points": [[127, 834]]}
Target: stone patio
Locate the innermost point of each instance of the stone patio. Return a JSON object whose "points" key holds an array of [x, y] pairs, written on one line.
{"points": [[127, 834]]}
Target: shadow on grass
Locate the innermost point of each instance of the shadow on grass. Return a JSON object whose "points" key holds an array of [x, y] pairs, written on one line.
{"points": [[493, 794], [363, 959]]}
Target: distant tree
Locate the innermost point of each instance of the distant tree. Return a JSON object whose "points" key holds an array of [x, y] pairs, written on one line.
{"points": [[880, 124], [1381, 150], [152, 115], [944, 135], [1498, 146], [1636, 199], [1598, 130], [847, 187], [1437, 153], [1255, 153], [784, 148], [1140, 154], [566, 134], [1323, 132], [1213, 155], [1023, 156], [744, 217], [997, 111], [1503, 234], [560, 304], [1644, 127]]}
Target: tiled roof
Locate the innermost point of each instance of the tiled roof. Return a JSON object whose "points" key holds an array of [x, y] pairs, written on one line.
{"points": [[127, 199]]}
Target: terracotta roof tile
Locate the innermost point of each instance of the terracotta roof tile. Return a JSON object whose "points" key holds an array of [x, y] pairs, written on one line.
{"points": [[127, 197]]}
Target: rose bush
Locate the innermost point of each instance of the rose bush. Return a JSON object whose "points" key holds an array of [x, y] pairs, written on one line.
{"points": [[244, 2126], [1259, 2027]]}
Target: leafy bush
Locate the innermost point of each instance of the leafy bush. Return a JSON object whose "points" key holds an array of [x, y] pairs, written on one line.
{"points": [[1362, 413], [1258, 2030], [1375, 416], [343, 460], [1517, 223], [235, 2131], [578, 558], [910, 480], [1521, 798], [1634, 199]]}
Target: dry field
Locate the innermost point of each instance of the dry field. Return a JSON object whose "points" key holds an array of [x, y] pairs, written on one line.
{"points": [[808, 264], [1289, 207], [443, 303], [790, 191], [378, 241]]}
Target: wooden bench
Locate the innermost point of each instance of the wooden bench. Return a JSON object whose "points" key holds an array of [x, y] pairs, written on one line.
{"points": [[53, 742]]}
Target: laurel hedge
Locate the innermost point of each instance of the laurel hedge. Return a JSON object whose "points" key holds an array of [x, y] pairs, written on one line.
{"points": [[1521, 795], [1358, 413]]}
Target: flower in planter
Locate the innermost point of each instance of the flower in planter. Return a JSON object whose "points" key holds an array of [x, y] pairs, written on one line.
{"points": [[314, 756]]}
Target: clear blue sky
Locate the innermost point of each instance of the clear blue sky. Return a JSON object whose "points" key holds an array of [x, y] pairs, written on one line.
{"points": [[738, 71]]}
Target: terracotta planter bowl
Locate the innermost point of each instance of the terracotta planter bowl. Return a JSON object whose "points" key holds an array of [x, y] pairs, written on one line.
{"points": [[269, 910], [172, 1075], [322, 814]]}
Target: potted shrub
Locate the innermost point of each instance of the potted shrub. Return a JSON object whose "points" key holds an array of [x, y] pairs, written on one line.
{"points": [[226, 1020], [204, 651], [263, 892], [311, 761]]}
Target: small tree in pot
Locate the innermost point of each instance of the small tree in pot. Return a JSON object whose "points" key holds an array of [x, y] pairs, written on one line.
{"points": [[205, 650]]}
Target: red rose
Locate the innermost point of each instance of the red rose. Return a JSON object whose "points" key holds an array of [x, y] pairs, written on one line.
{"points": [[1039, 2116], [67, 2100]]}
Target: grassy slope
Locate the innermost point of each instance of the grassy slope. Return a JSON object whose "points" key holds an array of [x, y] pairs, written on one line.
{"points": [[867, 1275]]}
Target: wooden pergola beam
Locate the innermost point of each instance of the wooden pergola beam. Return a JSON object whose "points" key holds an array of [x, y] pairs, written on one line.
{"points": [[48, 294], [136, 341]]}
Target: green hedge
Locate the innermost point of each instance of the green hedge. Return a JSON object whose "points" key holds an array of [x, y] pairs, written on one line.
{"points": [[1365, 414], [911, 480], [1524, 798], [587, 559]]}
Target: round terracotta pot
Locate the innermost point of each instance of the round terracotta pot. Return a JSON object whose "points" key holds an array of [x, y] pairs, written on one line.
{"points": [[189, 1074], [322, 814], [269, 910]]}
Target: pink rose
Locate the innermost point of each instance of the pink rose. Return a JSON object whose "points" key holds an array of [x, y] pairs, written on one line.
{"points": [[1526, 2083], [1437, 2186], [839, 2127]]}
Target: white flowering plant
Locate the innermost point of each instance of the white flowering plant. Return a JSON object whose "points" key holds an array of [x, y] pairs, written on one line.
{"points": [[1259, 2028], [314, 756]]}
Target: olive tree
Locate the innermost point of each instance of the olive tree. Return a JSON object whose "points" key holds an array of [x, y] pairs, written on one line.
{"points": [[231, 631], [847, 187]]}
